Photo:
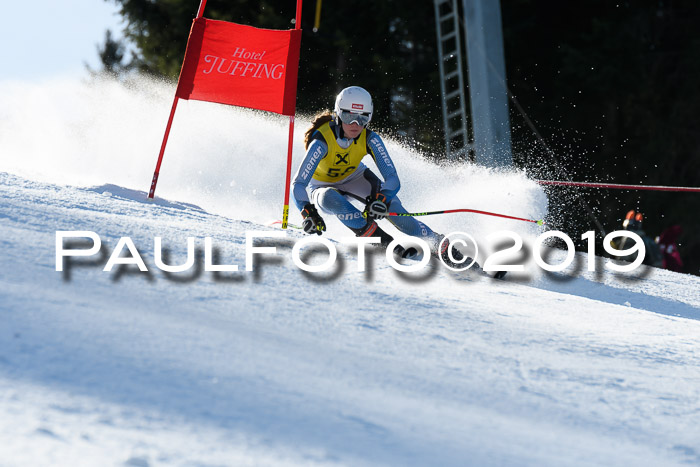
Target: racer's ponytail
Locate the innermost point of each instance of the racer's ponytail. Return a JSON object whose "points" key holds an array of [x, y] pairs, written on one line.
{"points": [[319, 119]]}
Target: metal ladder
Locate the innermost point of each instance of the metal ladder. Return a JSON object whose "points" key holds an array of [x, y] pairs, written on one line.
{"points": [[454, 113]]}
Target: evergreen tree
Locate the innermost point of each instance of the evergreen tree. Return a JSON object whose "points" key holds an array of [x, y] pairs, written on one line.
{"points": [[610, 86], [112, 54], [387, 49]]}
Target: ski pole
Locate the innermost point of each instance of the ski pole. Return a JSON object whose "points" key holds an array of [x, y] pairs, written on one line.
{"points": [[291, 226], [449, 211]]}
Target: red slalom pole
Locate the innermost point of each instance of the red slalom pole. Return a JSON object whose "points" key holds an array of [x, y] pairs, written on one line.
{"points": [[288, 181], [619, 186], [152, 191], [200, 10], [475, 211], [156, 173]]}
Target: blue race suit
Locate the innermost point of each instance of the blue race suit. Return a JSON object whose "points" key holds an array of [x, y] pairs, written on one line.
{"points": [[333, 170]]}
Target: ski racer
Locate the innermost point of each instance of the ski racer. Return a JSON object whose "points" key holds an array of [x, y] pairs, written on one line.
{"points": [[333, 172]]}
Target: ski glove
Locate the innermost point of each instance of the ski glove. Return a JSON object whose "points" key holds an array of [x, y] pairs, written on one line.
{"points": [[376, 207], [313, 223]]}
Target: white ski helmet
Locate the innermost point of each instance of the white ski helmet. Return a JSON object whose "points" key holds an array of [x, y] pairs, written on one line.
{"points": [[354, 105]]}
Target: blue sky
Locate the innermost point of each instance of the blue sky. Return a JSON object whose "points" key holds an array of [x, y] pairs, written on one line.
{"points": [[47, 38]]}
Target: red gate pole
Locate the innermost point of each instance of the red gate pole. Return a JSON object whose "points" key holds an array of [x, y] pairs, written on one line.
{"points": [[288, 181], [156, 173], [152, 191]]}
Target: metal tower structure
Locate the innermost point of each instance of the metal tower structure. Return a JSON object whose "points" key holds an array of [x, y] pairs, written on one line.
{"points": [[454, 113], [488, 95]]}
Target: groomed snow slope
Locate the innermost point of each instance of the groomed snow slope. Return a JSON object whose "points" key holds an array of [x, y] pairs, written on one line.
{"points": [[281, 367]]}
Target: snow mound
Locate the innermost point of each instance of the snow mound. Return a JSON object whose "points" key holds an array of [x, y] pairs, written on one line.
{"points": [[277, 366]]}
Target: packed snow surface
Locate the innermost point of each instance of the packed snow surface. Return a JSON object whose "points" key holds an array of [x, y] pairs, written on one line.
{"points": [[278, 366]]}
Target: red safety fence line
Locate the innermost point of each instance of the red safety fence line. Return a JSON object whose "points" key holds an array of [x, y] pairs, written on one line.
{"points": [[620, 187]]}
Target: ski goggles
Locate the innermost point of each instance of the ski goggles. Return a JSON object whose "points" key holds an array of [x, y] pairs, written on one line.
{"points": [[348, 117]]}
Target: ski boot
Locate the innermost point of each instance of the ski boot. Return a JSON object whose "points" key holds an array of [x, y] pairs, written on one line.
{"points": [[460, 260], [373, 230], [442, 253]]}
